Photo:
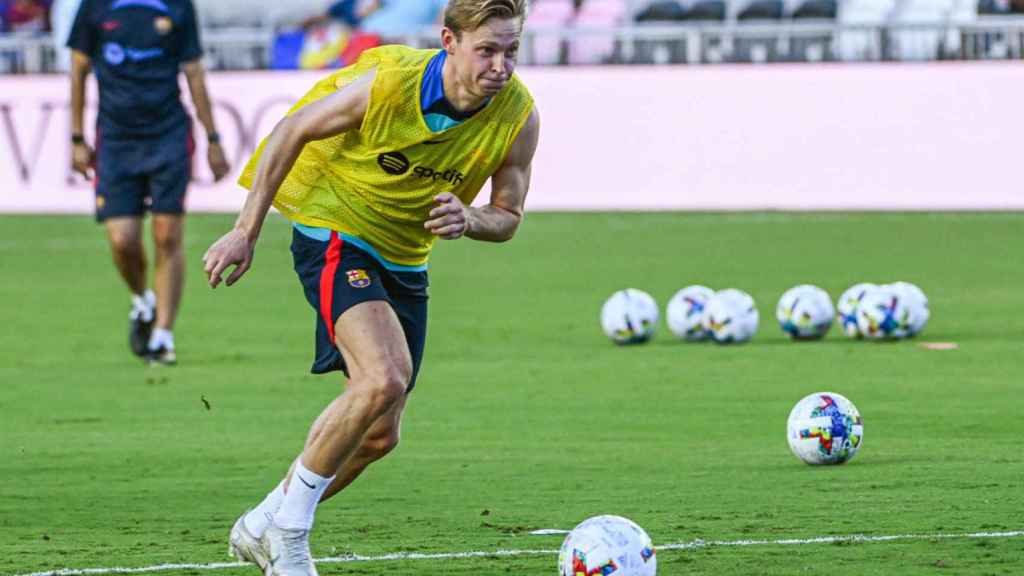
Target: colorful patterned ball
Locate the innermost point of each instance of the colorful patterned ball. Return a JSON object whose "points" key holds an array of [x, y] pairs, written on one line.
{"points": [[629, 316], [917, 303], [883, 314], [685, 311], [731, 317], [805, 312], [825, 428], [847, 306], [607, 546]]}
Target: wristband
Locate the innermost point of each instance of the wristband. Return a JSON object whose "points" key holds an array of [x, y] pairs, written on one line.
{"points": [[213, 138], [77, 139]]}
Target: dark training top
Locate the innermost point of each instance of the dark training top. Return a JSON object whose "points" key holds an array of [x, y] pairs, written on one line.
{"points": [[137, 48]]}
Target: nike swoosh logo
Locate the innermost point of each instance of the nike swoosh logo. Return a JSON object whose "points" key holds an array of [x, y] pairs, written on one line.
{"points": [[308, 485], [434, 142]]}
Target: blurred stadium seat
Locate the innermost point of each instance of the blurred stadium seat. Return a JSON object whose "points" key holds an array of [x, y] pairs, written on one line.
{"points": [[707, 10], [823, 9], [550, 16], [254, 34], [256, 13], [758, 9], [597, 48], [661, 11]]}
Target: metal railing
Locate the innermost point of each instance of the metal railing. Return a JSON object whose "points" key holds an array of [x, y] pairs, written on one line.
{"points": [[26, 53], [996, 38], [796, 41]]}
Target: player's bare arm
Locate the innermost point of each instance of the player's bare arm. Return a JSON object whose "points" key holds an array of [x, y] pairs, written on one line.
{"points": [[196, 77], [82, 155], [499, 219], [330, 116]]}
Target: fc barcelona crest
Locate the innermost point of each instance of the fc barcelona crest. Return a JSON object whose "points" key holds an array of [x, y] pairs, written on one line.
{"points": [[358, 278], [163, 25]]}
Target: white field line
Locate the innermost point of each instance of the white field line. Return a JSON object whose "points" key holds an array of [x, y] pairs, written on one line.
{"points": [[397, 556]]}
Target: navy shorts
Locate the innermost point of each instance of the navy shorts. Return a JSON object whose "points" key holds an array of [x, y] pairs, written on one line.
{"points": [[139, 174], [336, 275]]}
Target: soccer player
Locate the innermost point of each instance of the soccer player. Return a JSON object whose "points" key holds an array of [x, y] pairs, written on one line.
{"points": [[372, 166], [143, 155]]}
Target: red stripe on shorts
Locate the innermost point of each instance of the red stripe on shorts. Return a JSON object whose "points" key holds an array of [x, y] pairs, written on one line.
{"points": [[333, 259]]}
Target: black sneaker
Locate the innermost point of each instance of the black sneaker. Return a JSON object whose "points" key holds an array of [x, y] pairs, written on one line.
{"points": [[138, 334], [162, 356]]}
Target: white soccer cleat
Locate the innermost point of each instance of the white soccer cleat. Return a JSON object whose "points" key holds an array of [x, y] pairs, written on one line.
{"points": [[289, 552], [243, 546]]}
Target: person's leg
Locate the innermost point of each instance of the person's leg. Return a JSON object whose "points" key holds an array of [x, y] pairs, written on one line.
{"points": [[383, 435], [408, 294], [120, 206], [169, 272], [125, 236], [380, 440], [168, 184], [376, 355], [358, 332]]}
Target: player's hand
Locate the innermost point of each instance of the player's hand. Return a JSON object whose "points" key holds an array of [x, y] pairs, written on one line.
{"points": [[450, 219], [83, 159], [218, 162], [233, 248]]}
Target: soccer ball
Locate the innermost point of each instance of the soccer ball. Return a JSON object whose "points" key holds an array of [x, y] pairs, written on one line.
{"points": [[731, 316], [917, 302], [805, 312], [629, 316], [685, 312], [607, 545], [825, 428], [883, 315], [848, 305]]}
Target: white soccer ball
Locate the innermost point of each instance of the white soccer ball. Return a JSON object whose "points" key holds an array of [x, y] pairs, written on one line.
{"points": [[607, 545], [848, 305], [883, 315], [825, 428], [917, 303], [629, 316], [731, 316], [685, 311], [805, 312]]}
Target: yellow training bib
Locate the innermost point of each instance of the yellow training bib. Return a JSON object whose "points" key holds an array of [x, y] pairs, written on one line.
{"points": [[379, 182]]}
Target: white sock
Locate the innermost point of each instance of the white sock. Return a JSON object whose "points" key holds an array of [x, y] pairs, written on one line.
{"points": [[257, 520], [299, 505], [161, 337], [143, 306]]}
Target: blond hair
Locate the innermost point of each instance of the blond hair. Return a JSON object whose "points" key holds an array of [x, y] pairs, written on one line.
{"points": [[471, 14]]}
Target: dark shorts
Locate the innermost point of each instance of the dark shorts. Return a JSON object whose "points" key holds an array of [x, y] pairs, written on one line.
{"points": [[140, 174], [337, 275]]}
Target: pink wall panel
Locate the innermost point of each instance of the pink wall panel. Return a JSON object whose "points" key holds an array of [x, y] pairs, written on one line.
{"points": [[914, 137]]}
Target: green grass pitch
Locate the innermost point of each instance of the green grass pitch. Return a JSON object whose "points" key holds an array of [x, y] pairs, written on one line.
{"points": [[525, 416]]}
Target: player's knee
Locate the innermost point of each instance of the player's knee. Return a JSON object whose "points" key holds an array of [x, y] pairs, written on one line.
{"points": [[126, 244], [168, 243], [387, 386]]}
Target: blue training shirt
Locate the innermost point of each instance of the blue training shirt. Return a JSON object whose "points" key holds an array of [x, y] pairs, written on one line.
{"points": [[137, 48]]}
